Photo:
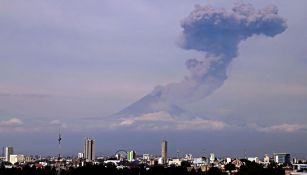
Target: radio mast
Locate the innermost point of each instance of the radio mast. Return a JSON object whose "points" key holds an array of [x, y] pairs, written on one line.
{"points": [[59, 155]]}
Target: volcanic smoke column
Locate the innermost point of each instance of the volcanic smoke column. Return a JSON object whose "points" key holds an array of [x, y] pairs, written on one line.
{"points": [[217, 33]]}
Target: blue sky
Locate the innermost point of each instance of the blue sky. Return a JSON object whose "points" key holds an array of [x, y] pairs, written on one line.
{"points": [[73, 64]]}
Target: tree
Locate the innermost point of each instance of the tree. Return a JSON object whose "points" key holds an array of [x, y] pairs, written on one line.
{"points": [[214, 171], [185, 164], [230, 167]]}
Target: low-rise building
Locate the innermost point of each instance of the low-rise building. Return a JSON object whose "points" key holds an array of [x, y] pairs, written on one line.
{"points": [[176, 162], [199, 161], [253, 159], [17, 158], [282, 158], [212, 158]]}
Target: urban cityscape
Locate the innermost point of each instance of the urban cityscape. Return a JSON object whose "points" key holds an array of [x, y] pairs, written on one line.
{"points": [[143, 87], [129, 162]]}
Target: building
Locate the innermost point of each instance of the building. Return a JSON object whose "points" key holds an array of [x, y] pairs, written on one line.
{"points": [[146, 157], [300, 167], [282, 158], [188, 157], [253, 159], [89, 149], [228, 160], [160, 161], [80, 155], [131, 155], [176, 162], [17, 158], [238, 163], [28, 159], [199, 161], [212, 158], [164, 152], [266, 159], [8, 151]]}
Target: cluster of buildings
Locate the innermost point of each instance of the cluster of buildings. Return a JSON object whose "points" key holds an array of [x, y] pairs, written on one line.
{"points": [[9, 156], [123, 159]]}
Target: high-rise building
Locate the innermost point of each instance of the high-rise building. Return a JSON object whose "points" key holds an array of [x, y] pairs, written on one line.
{"points": [[164, 151], [131, 155], [89, 149], [8, 151]]}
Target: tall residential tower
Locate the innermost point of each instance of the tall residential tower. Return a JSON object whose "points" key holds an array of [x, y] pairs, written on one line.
{"points": [[89, 149], [8, 151], [164, 151]]}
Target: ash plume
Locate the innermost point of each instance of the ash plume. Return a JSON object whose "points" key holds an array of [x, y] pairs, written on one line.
{"points": [[217, 33]]}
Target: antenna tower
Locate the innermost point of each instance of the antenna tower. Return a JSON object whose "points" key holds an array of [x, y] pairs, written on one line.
{"points": [[59, 155]]}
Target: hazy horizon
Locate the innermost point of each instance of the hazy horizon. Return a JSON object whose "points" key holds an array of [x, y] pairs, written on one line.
{"points": [[207, 76]]}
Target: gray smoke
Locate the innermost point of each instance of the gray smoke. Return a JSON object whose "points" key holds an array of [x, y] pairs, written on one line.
{"points": [[217, 33]]}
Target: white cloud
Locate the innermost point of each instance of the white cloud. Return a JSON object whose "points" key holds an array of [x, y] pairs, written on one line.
{"points": [[127, 122], [11, 122], [58, 122], [156, 116], [199, 123], [164, 121], [281, 128], [16, 125], [11, 125]]}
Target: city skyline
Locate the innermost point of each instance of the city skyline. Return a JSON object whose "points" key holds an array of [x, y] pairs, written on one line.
{"points": [[128, 161], [89, 154], [131, 77]]}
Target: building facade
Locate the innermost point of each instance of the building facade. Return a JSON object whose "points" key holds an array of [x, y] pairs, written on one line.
{"points": [[164, 152], [8, 151], [89, 149], [253, 159], [131, 156], [80, 155], [282, 158], [17, 158], [212, 158]]}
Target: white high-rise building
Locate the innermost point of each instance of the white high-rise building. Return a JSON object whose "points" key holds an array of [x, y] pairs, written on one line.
{"points": [[8, 151], [89, 149]]}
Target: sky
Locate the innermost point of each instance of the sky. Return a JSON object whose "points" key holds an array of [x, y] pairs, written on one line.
{"points": [[78, 65]]}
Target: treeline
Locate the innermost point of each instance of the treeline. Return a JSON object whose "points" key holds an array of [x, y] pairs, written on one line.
{"points": [[252, 168], [248, 169]]}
